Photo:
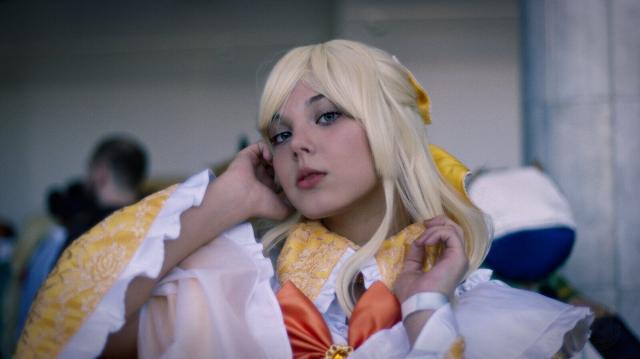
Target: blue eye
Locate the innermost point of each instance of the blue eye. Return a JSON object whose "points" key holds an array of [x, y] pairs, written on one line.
{"points": [[280, 137], [328, 118]]}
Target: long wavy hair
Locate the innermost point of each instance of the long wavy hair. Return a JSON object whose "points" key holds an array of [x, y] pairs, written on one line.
{"points": [[375, 89]]}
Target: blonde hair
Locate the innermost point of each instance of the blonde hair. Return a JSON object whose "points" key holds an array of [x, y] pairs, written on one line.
{"points": [[374, 89]]}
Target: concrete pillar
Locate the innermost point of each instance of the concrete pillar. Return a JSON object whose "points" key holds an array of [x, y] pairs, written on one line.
{"points": [[625, 55], [581, 88]]}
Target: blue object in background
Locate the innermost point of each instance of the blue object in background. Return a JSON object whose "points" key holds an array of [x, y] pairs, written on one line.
{"points": [[41, 262], [530, 255]]}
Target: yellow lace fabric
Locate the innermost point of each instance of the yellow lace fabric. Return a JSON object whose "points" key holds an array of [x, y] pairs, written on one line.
{"points": [[311, 253], [83, 275], [390, 257]]}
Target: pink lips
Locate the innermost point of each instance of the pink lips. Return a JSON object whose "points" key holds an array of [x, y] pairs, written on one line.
{"points": [[309, 178]]}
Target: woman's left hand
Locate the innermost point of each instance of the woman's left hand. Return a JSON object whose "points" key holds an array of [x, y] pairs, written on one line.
{"points": [[443, 277], [450, 266]]}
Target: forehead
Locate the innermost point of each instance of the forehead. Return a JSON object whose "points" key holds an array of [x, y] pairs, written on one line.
{"points": [[301, 97]]}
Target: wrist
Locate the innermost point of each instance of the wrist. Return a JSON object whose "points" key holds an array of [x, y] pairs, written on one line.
{"points": [[417, 309], [225, 203], [423, 301], [414, 323]]}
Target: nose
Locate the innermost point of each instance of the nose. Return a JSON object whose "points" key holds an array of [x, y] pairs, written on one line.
{"points": [[301, 142]]}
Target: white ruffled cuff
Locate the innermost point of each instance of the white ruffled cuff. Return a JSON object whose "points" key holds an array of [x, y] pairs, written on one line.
{"points": [[567, 334], [441, 330], [437, 335], [477, 277], [108, 316]]}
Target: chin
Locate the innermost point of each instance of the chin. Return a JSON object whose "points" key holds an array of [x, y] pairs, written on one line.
{"points": [[319, 207], [313, 212], [318, 213], [313, 215]]}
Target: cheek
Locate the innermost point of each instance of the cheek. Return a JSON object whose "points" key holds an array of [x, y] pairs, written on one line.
{"points": [[359, 154]]}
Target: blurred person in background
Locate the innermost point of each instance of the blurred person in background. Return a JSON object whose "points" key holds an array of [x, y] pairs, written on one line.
{"points": [[116, 171]]}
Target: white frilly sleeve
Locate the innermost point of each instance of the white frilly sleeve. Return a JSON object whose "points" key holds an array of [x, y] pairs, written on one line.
{"points": [[217, 303], [497, 321]]}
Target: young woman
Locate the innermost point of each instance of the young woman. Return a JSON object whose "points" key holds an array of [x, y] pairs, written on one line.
{"points": [[376, 256]]}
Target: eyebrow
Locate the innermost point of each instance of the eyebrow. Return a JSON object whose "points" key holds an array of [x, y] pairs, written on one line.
{"points": [[276, 118], [315, 98]]}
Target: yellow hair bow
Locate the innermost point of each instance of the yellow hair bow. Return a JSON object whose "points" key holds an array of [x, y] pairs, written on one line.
{"points": [[450, 168], [422, 101]]}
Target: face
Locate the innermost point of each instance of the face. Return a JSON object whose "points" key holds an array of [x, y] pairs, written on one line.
{"points": [[321, 157]]}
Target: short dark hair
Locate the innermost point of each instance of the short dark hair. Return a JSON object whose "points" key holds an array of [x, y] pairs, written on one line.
{"points": [[125, 157]]}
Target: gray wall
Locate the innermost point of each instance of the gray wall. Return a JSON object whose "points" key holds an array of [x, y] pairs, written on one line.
{"points": [[582, 105], [186, 79]]}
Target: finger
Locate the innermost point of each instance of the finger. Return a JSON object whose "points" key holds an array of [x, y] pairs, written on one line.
{"points": [[253, 152], [414, 260], [263, 174], [429, 232], [444, 234], [443, 220], [272, 176], [436, 221], [266, 151], [278, 209]]}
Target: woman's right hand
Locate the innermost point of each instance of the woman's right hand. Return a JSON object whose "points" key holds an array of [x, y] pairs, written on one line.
{"points": [[250, 179]]}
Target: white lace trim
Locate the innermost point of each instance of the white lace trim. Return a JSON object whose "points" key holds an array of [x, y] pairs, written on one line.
{"points": [[371, 273], [108, 316], [327, 293], [328, 290], [478, 276]]}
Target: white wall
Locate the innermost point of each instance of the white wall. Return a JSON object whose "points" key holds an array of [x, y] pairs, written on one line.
{"points": [[465, 54], [185, 78]]}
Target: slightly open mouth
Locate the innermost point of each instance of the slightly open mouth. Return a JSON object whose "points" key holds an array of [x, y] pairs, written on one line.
{"points": [[310, 180]]}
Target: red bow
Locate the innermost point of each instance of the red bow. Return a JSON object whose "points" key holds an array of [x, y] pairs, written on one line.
{"points": [[309, 335]]}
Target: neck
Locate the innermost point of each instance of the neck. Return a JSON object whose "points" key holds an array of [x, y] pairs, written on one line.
{"points": [[358, 228], [360, 221]]}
